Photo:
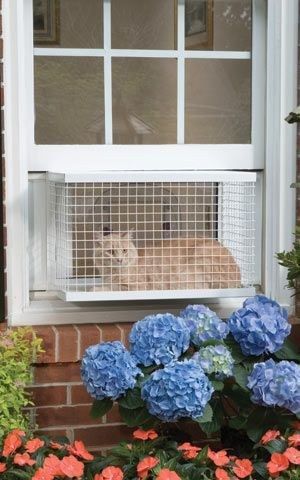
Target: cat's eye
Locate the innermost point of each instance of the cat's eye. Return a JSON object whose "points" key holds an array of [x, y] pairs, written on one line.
{"points": [[110, 252], [124, 250]]}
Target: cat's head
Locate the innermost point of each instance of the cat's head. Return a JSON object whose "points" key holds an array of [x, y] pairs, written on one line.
{"points": [[115, 250]]}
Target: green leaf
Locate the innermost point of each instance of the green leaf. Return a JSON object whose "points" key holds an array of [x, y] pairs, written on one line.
{"points": [[132, 399], [218, 385], [237, 423], [207, 415], [276, 446], [261, 469], [215, 424], [101, 407], [241, 376], [202, 455], [20, 474], [287, 352], [135, 418]]}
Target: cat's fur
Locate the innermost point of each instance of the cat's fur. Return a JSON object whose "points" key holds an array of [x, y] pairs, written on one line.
{"points": [[170, 264]]}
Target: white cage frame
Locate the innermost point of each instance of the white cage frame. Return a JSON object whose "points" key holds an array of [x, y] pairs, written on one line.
{"points": [[236, 215]]}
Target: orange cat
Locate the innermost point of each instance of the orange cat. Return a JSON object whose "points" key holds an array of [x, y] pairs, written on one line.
{"points": [[171, 264]]}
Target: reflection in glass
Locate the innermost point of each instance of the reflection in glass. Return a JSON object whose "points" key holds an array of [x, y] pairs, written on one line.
{"points": [[144, 24], [68, 23], [69, 100], [144, 93], [218, 25], [218, 101]]}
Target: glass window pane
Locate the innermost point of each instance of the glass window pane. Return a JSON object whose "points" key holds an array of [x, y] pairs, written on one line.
{"points": [[68, 23], [218, 101], [218, 25], [144, 24], [69, 100], [144, 95]]}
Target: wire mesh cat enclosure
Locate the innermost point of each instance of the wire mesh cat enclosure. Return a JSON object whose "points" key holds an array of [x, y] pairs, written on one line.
{"points": [[141, 235]]}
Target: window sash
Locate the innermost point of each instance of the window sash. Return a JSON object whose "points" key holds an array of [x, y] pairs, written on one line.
{"points": [[179, 156]]}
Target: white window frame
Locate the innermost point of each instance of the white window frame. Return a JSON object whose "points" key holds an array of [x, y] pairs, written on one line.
{"points": [[278, 149]]}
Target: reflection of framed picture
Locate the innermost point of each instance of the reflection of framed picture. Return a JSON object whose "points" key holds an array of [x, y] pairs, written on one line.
{"points": [[199, 24], [46, 22]]}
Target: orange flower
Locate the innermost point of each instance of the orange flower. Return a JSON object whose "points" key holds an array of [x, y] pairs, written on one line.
{"points": [[189, 451], [52, 466], [219, 458], [269, 436], [140, 434], [42, 474], [293, 455], [22, 459], [243, 468], [166, 474], [79, 450], [2, 467], [71, 467], [34, 444], [221, 474], [278, 463], [145, 465], [110, 473], [294, 440], [11, 444], [56, 446]]}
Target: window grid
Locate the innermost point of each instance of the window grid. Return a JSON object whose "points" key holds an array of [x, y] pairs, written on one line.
{"points": [[108, 53]]}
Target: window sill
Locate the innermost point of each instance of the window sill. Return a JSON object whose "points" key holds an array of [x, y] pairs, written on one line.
{"points": [[47, 309]]}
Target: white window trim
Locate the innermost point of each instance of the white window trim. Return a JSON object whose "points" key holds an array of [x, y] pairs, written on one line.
{"points": [[280, 154]]}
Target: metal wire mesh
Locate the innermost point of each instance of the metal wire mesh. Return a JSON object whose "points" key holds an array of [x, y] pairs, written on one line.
{"points": [[150, 236]]}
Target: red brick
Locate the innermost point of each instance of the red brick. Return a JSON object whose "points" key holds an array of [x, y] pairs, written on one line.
{"points": [[79, 395], [103, 436], [43, 396], [67, 343], [89, 335], [54, 433], [63, 416], [48, 336], [126, 328], [110, 333], [113, 415], [59, 372]]}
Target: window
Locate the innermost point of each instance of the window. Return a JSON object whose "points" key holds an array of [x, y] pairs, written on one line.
{"points": [[77, 110]]}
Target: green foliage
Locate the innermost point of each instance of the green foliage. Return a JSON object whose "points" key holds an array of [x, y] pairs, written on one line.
{"points": [[291, 261], [18, 350]]}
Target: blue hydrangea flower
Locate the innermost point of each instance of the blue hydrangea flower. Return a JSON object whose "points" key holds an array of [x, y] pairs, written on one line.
{"points": [[159, 339], [215, 359], [180, 390], [204, 324], [261, 326], [108, 370], [276, 384]]}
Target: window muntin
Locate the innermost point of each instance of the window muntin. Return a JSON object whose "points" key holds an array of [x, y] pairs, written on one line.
{"points": [[225, 42]]}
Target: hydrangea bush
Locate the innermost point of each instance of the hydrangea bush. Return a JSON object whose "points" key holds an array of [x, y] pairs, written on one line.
{"points": [[243, 374]]}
